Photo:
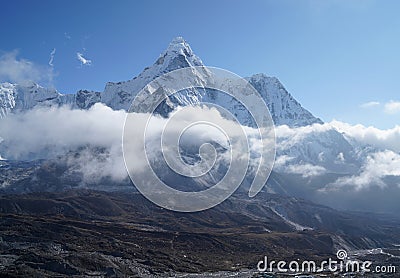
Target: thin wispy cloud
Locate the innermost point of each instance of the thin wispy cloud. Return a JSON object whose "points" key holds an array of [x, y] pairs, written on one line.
{"points": [[68, 37], [370, 104], [392, 107], [18, 70], [52, 54], [282, 163], [83, 60]]}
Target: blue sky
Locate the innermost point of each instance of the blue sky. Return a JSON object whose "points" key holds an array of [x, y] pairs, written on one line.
{"points": [[332, 56]]}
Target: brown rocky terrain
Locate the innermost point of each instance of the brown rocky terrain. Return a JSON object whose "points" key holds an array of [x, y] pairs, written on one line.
{"points": [[94, 233]]}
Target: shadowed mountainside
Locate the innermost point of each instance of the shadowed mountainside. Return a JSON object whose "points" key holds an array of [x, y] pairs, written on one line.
{"points": [[82, 232]]}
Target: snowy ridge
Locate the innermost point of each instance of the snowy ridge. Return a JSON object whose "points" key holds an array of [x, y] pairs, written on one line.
{"points": [[7, 98], [178, 55], [18, 98]]}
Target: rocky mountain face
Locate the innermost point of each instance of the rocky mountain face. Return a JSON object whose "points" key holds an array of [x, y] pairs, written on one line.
{"points": [[15, 98]]}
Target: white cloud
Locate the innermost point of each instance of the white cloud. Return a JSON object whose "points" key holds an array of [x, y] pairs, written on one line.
{"points": [[306, 170], [282, 160], [83, 60], [392, 107], [286, 131], [373, 167], [15, 70], [370, 104], [53, 131], [377, 166], [288, 137], [381, 138], [52, 54], [340, 157], [50, 132], [283, 164]]}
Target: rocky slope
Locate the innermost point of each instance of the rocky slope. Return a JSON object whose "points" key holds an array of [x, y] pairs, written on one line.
{"points": [[90, 233]]}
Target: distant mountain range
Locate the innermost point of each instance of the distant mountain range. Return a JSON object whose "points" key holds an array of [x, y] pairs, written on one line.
{"points": [[283, 107]]}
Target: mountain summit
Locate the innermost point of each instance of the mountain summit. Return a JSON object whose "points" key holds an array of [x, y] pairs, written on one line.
{"points": [[178, 55]]}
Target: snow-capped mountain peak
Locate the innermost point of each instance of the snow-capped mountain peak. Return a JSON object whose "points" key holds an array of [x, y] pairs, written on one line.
{"points": [[178, 55], [119, 95], [179, 47]]}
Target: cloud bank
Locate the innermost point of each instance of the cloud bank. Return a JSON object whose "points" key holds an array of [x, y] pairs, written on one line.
{"points": [[381, 138], [377, 167], [95, 135], [376, 153], [49, 132]]}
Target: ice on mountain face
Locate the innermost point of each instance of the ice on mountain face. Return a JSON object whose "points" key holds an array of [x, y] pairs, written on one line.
{"points": [[284, 109], [19, 98], [85, 99], [32, 95], [7, 98], [323, 147], [178, 55]]}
